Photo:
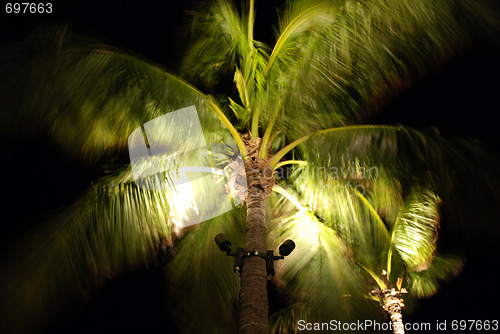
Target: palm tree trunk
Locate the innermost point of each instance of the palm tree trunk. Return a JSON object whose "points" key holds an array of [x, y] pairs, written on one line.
{"points": [[394, 305], [254, 309]]}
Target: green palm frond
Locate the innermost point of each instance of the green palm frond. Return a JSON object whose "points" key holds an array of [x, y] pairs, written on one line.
{"points": [[205, 275], [406, 156], [352, 204], [415, 233], [369, 53], [427, 283], [384, 192], [89, 97], [344, 57], [319, 271], [322, 268], [223, 40], [120, 225], [224, 45], [298, 21], [328, 147], [114, 227]]}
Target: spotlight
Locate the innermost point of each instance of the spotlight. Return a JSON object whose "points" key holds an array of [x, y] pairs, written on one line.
{"points": [[286, 247], [223, 243]]}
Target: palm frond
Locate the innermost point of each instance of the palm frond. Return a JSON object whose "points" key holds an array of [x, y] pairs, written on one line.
{"points": [[426, 283], [202, 277], [407, 156], [220, 35], [323, 267], [116, 226], [343, 198], [225, 47], [384, 193], [121, 223], [369, 53], [299, 19], [335, 143], [415, 231], [319, 270], [90, 97]]}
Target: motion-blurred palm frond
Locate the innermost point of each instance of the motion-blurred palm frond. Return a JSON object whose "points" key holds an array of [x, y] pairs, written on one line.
{"points": [[370, 51], [415, 232], [443, 268], [321, 274], [88, 96], [113, 228]]}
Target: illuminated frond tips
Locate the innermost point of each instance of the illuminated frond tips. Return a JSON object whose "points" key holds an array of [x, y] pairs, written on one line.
{"points": [[416, 230], [443, 268]]}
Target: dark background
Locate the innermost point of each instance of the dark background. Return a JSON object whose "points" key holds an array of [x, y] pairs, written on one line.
{"points": [[460, 99]]}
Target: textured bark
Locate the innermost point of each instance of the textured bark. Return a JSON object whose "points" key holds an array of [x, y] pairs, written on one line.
{"points": [[394, 305], [254, 309]]}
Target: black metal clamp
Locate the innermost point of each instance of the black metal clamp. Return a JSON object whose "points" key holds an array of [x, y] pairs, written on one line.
{"points": [[225, 245]]}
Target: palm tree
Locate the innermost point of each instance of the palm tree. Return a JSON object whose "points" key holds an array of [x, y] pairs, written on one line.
{"points": [[302, 101]]}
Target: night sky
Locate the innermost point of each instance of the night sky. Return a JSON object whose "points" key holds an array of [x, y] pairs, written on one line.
{"points": [[460, 99]]}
